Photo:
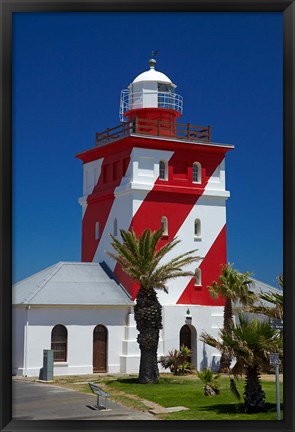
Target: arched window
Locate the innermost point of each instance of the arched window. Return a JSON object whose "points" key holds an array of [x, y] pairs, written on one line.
{"points": [[59, 339], [196, 172], [163, 171], [164, 223], [197, 228], [115, 232], [198, 277], [97, 231]]}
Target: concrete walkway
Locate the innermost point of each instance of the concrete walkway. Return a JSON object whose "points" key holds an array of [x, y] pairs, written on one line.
{"points": [[37, 401]]}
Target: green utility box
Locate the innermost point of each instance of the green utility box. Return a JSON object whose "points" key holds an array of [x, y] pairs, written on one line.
{"points": [[47, 374]]}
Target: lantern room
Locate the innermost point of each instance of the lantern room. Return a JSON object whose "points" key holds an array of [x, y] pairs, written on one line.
{"points": [[151, 96]]}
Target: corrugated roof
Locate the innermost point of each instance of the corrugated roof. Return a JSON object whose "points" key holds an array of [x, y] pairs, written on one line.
{"points": [[71, 283], [260, 287]]}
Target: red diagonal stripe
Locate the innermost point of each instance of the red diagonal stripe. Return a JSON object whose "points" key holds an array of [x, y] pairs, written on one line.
{"points": [[100, 202], [210, 270]]}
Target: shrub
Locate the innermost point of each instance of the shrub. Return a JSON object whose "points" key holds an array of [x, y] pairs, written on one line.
{"points": [[211, 386], [178, 361]]}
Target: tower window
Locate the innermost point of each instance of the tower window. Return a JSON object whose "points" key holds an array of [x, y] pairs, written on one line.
{"points": [[163, 171], [59, 339], [198, 277], [196, 173], [97, 231], [115, 231], [164, 223], [197, 228], [164, 88]]}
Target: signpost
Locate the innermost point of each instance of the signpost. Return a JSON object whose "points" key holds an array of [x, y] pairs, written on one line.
{"points": [[275, 361], [276, 324]]}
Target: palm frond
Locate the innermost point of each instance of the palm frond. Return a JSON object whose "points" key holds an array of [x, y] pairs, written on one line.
{"points": [[139, 258]]}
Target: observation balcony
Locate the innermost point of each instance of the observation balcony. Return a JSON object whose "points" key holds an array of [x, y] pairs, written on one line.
{"points": [[157, 128]]}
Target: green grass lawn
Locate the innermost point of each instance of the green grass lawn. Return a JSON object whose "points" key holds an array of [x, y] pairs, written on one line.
{"points": [[188, 391]]}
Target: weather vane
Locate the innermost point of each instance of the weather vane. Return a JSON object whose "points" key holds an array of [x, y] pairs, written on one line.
{"points": [[154, 53]]}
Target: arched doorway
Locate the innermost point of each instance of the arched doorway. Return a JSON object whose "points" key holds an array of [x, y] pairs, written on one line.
{"points": [[100, 341], [185, 338]]}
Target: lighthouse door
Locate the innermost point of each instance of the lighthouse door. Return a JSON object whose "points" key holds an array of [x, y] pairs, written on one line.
{"points": [[100, 349], [185, 338]]}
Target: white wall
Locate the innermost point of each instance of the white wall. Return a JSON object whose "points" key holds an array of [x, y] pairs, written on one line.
{"points": [[205, 318], [91, 173], [143, 95], [123, 353], [18, 340], [80, 323]]}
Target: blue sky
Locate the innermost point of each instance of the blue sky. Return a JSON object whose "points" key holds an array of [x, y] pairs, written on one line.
{"points": [[68, 72]]}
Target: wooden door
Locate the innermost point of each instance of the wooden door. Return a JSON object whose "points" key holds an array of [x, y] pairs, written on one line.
{"points": [[100, 349]]}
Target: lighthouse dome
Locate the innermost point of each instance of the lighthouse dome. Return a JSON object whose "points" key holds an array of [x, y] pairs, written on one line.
{"points": [[153, 75]]}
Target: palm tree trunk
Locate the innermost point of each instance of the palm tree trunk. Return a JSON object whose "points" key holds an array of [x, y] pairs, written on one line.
{"points": [[148, 317], [148, 370], [225, 360], [254, 396]]}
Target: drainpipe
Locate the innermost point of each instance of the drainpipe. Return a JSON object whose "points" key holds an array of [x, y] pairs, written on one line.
{"points": [[26, 341]]}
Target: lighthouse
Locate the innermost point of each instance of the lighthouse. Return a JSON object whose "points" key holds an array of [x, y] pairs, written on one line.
{"points": [[152, 171]]}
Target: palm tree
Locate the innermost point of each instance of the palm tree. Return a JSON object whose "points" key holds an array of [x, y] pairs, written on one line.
{"points": [[250, 342], [140, 258], [275, 311], [232, 286], [276, 299]]}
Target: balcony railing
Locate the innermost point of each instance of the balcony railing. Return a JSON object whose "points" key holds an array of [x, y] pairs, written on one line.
{"points": [[158, 128]]}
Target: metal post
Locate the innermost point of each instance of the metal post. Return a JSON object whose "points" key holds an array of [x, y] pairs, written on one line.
{"points": [[188, 133], [278, 393]]}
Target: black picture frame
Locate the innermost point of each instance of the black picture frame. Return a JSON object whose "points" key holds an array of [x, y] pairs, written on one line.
{"points": [[8, 7]]}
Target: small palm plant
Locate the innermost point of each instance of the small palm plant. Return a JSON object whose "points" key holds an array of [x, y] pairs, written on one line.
{"points": [[211, 386], [178, 361]]}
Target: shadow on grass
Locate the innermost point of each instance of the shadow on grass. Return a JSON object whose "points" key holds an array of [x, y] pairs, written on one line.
{"points": [[237, 408], [127, 380], [224, 408]]}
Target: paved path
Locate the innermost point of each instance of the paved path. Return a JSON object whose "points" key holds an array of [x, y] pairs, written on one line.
{"points": [[37, 401]]}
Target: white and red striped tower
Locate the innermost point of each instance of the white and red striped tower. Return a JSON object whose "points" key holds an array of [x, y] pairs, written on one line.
{"points": [[151, 171]]}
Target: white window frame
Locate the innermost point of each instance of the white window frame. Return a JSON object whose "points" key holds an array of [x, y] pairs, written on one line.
{"points": [[197, 229], [64, 344], [164, 224], [198, 277], [165, 170], [199, 176]]}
